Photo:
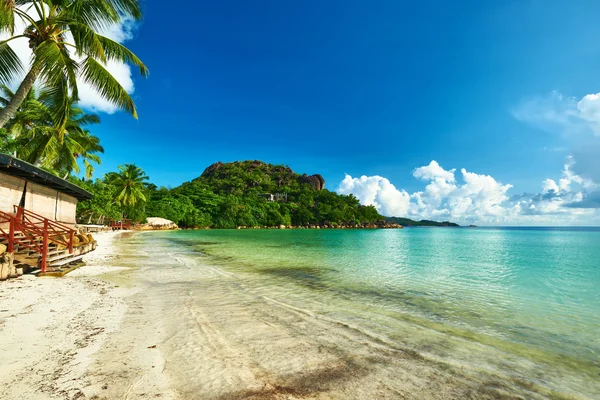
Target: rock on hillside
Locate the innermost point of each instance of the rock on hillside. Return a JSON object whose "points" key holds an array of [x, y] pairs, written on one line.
{"points": [[316, 180], [261, 177]]}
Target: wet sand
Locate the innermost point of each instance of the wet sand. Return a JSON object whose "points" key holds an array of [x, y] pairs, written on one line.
{"points": [[154, 324]]}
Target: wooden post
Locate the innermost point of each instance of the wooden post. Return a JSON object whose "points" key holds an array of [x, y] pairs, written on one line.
{"points": [[11, 236], [71, 234], [45, 246]]}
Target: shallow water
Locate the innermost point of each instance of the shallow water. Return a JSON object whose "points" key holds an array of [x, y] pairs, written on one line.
{"points": [[519, 305]]}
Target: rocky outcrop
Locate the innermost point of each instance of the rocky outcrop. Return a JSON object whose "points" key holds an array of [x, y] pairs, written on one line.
{"points": [[317, 181], [211, 169], [158, 224]]}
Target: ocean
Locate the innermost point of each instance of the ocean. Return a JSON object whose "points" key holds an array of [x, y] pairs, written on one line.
{"points": [[518, 305]]}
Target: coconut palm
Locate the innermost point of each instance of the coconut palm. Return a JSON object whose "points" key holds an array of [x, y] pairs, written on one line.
{"points": [[66, 46], [129, 185], [55, 148], [28, 114], [61, 150]]}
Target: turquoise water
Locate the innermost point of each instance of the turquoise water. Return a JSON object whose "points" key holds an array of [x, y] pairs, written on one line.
{"points": [[531, 296]]}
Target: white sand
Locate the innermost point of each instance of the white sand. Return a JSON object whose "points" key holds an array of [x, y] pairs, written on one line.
{"points": [[173, 328], [50, 328]]}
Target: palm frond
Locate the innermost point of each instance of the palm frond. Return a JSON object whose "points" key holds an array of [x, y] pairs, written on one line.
{"points": [[10, 64], [96, 75], [116, 51], [96, 14], [7, 17], [58, 102], [88, 119], [102, 48], [127, 7], [5, 94], [56, 65]]}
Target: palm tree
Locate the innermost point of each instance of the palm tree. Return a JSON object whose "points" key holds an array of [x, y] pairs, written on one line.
{"points": [[61, 151], [27, 116], [58, 30], [129, 185], [40, 142]]}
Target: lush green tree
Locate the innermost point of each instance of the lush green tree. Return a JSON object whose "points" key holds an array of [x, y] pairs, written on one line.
{"points": [[60, 34], [58, 149], [209, 201], [128, 188], [7, 144], [28, 115], [101, 207]]}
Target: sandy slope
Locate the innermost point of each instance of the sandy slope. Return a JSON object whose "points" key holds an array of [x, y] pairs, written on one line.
{"points": [[50, 328]]}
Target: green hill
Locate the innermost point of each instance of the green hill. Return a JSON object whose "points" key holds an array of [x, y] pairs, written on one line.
{"points": [[425, 222], [254, 193]]}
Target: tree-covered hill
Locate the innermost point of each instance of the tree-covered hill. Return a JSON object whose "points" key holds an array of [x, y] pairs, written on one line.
{"points": [[244, 178], [254, 193], [424, 222]]}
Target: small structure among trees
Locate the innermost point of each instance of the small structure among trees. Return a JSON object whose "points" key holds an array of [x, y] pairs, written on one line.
{"points": [[272, 197]]}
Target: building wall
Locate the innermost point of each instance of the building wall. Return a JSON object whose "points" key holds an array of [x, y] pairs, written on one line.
{"points": [[11, 190], [39, 199], [66, 210]]}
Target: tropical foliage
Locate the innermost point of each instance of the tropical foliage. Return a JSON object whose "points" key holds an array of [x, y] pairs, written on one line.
{"points": [[66, 47], [38, 141], [129, 186], [423, 222], [232, 195]]}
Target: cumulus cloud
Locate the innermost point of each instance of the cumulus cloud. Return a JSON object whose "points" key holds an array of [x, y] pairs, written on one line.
{"points": [[479, 198], [434, 171], [89, 97], [575, 120], [589, 110], [376, 191]]}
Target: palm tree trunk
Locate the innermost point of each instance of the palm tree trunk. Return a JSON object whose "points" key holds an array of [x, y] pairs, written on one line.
{"points": [[11, 108]]}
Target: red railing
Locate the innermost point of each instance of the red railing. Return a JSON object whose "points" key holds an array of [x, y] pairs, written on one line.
{"points": [[120, 224], [33, 227]]}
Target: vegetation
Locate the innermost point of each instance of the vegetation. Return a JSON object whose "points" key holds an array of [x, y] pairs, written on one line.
{"points": [[227, 196], [60, 34], [425, 222], [37, 140]]}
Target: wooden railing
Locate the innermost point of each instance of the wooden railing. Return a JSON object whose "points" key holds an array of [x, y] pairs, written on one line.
{"points": [[120, 224], [36, 233]]}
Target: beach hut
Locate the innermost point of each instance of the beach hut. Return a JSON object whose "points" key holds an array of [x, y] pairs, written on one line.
{"points": [[37, 217]]}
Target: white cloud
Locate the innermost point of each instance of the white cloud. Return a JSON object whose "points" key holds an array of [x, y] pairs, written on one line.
{"points": [[376, 191], [575, 121], [479, 198], [553, 112], [89, 98], [589, 110], [432, 171]]}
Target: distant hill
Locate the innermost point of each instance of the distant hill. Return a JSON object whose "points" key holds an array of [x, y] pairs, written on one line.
{"points": [[245, 177], [424, 222], [254, 193]]}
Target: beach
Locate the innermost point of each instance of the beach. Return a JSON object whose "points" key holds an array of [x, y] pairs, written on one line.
{"points": [[149, 318], [51, 328]]}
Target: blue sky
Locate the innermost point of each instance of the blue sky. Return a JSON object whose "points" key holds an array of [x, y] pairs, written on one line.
{"points": [[376, 88]]}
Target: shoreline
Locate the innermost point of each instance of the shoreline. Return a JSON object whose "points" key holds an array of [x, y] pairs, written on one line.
{"points": [[52, 327], [145, 319]]}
